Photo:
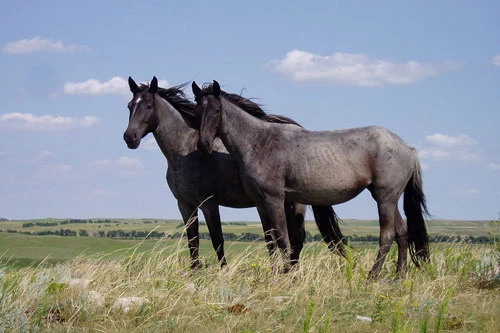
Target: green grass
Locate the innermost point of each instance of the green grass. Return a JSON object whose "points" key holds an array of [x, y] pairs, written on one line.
{"points": [[22, 250], [72, 284], [458, 291], [19, 250], [349, 227]]}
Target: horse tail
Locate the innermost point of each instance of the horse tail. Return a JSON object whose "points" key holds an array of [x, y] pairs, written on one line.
{"points": [[415, 209], [328, 225]]}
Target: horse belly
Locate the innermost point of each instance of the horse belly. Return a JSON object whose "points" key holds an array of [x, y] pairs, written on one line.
{"points": [[323, 195], [327, 187]]}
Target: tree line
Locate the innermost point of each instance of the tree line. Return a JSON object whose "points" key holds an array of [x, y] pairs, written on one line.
{"points": [[69, 221], [244, 237]]}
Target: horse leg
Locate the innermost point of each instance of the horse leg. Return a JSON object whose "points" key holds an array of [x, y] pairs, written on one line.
{"points": [[212, 216], [387, 234], [190, 216], [402, 241], [295, 214], [273, 217], [269, 238]]}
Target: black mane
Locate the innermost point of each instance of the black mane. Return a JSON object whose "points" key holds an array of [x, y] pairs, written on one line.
{"points": [[249, 106], [177, 98]]}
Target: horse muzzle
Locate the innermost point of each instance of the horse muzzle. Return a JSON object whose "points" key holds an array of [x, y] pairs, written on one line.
{"points": [[204, 146], [132, 139]]}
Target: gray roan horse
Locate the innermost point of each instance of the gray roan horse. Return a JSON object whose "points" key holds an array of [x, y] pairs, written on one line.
{"points": [[284, 163], [193, 177]]}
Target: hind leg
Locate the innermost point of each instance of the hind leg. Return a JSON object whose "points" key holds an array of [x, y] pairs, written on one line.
{"points": [[402, 241], [296, 231], [387, 235], [210, 210]]}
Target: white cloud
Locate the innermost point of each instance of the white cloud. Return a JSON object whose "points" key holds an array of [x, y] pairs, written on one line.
{"points": [[447, 141], [129, 162], [444, 147], [103, 193], [150, 144], [495, 61], [56, 168], [44, 154], [99, 164], [122, 162], [114, 86], [125, 166], [493, 166], [472, 191], [28, 121], [38, 43], [442, 155], [50, 171], [352, 69]]}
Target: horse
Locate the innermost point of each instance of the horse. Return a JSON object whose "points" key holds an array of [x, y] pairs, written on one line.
{"points": [[201, 180], [285, 163]]}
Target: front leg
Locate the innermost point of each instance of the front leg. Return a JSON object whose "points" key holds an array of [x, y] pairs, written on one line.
{"points": [[273, 218], [190, 216], [212, 216], [269, 237]]}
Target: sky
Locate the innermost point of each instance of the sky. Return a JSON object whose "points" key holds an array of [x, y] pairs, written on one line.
{"points": [[428, 71]]}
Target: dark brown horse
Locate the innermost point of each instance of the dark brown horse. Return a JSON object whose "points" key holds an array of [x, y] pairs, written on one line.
{"points": [[286, 163], [201, 180]]}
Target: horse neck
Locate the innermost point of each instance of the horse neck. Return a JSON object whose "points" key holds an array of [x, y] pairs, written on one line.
{"points": [[239, 128], [173, 135]]}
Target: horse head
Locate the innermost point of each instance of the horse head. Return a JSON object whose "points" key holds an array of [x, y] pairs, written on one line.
{"points": [[208, 110], [143, 117]]}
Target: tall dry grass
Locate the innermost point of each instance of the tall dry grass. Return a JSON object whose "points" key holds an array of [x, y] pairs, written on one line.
{"points": [[156, 292]]}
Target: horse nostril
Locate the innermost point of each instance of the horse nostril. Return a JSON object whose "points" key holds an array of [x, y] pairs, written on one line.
{"points": [[203, 146]]}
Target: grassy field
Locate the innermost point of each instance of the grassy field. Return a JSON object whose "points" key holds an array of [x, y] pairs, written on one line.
{"points": [[149, 288], [84, 284], [21, 250]]}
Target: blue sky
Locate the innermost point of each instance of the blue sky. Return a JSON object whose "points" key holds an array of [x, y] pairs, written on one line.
{"points": [[428, 71]]}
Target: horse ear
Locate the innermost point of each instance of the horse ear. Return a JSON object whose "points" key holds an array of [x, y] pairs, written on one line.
{"points": [[153, 86], [196, 89], [134, 88], [216, 89]]}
